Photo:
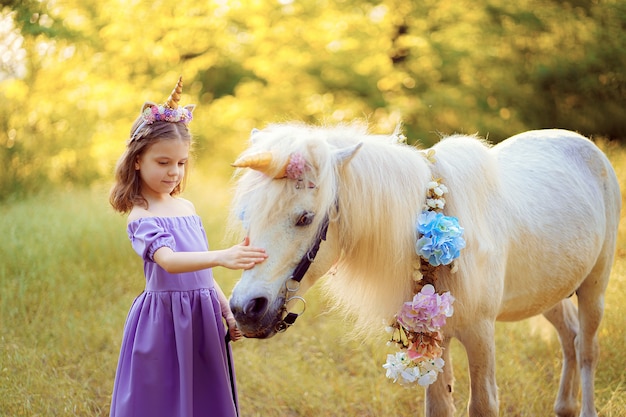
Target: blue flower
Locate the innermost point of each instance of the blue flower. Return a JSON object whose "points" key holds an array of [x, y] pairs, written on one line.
{"points": [[441, 238]]}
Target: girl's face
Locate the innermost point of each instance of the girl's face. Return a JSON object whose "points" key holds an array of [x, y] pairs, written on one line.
{"points": [[162, 166]]}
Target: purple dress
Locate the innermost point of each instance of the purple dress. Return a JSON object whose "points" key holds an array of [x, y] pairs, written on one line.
{"points": [[173, 361]]}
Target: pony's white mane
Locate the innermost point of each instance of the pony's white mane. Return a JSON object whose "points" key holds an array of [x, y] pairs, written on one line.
{"points": [[381, 192], [378, 195]]}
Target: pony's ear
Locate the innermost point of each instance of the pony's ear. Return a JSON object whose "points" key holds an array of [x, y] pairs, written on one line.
{"points": [[344, 155], [253, 133], [190, 107]]}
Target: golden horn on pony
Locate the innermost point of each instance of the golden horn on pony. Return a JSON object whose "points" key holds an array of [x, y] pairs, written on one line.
{"points": [[174, 98], [261, 161]]}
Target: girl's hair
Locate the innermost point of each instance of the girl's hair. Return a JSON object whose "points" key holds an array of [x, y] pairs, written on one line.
{"points": [[126, 192]]}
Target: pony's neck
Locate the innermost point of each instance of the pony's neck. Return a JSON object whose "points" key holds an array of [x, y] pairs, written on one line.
{"points": [[381, 191]]}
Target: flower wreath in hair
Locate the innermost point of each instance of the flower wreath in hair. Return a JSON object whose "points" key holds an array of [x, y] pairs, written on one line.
{"points": [[170, 111], [416, 328]]}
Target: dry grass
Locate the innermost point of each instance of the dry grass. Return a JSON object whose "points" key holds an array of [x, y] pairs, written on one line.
{"points": [[68, 277]]}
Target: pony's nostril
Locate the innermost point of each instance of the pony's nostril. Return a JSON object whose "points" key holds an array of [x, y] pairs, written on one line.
{"points": [[255, 307]]}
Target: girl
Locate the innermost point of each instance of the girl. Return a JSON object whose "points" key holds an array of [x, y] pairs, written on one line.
{"points": [[173, 360]]}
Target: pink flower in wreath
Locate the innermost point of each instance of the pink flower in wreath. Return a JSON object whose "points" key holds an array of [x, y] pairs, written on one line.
{"points": [[427, 312], [296, 166]]}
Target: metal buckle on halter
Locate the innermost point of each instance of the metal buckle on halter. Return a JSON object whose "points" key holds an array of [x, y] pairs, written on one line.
{"points": [[291, 316]]}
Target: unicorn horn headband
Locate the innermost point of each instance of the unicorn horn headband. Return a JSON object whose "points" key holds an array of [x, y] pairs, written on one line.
{"points": [[168, 112], [174, 98], [264, 162]]}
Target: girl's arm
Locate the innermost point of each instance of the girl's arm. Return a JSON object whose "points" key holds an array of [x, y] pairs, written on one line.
{"points": [[235, 333], [241, 256]]}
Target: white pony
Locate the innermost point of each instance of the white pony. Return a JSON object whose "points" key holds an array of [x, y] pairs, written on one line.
{"points": [[540, 212]]}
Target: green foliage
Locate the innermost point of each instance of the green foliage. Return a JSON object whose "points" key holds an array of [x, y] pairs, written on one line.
{"points": [[74, 74]]}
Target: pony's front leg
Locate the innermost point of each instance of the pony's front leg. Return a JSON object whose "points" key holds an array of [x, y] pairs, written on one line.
{"points": [[479, 343], [439, 402]]}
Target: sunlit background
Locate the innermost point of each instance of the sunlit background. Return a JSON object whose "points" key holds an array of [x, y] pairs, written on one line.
{"points": [[73, 74]]}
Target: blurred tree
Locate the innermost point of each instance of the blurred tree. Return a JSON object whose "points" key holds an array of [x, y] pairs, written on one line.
{"points": [[570, 59], [74, 74]]}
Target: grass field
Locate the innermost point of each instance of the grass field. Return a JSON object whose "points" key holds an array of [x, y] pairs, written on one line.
{"points": [[68, 277]]}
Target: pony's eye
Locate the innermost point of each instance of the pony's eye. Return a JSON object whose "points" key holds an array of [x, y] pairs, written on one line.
{"points": [[305, 219]]}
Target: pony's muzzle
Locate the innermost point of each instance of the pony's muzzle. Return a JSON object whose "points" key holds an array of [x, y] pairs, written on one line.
{"points": [[257, 316], [255, 308], [249, 311]]}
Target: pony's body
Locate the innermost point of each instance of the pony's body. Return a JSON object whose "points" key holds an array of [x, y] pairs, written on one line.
{"points": [[540, 213]]}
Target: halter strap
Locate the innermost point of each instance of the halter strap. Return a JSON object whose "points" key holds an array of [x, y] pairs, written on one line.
{"points": [[299, 272], [309, 257]]}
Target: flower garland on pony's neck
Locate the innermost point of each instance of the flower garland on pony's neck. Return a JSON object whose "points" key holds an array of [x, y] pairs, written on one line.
{"points": [[416, 328]]}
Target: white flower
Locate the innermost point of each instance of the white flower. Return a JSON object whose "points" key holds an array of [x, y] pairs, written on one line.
{"points": [[432, 185], [410, 375], [417, 275], [427, 379], [395, 365], [404, 371], [435, 203], [435, 365]]}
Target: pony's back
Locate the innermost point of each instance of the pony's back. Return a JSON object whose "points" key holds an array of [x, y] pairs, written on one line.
{"points": [[544, 203]]}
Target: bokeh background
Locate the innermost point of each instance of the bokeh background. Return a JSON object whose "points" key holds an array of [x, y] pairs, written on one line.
{"points": [[74, 75]]}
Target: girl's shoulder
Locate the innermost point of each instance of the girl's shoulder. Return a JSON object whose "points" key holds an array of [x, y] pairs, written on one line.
{"points": [[179, 207], [137, 213], [188, 204]]}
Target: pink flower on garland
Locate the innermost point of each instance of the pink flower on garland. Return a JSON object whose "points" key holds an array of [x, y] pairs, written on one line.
{"points": [[427, 312]]}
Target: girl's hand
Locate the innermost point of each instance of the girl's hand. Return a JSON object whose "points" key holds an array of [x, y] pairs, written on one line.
{"points": [[233, 330], [243, 256]]}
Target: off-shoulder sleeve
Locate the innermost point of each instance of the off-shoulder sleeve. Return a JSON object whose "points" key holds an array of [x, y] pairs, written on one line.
{"points": [[147, 235]]}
